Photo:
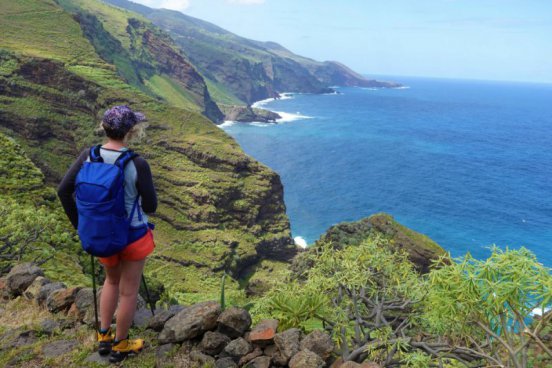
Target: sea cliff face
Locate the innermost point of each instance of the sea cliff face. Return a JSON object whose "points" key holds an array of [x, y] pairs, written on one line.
{"points": [[243, 70], [220, 210]]}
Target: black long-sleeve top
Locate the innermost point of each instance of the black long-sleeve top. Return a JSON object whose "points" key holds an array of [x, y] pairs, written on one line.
{"points": [[144, 185]]}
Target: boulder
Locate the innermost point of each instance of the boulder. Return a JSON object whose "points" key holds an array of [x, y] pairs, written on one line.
{"points": [[203, 359], [260, 362], [190, 322], [234, 322], [306, 359], [46, 290], [263, 333], [238, 347], [319, 343], [61, 299], [21, 277], [157, 322], [84, 306], [213, 342], [257, 352], [142, 317], [270, 350], [32, 291], [226, 362], [287, 345]]}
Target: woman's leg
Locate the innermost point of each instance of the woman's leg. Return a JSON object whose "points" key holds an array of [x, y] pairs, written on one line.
{"points": [[131, 273], [110, 295]]}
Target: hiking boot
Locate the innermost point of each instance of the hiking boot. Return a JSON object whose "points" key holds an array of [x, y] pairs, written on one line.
{"points": [[121, 349], [105, 340]]}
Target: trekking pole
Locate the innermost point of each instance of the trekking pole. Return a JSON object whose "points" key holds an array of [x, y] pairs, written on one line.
{"points": [[148, 295], [94, 292]]}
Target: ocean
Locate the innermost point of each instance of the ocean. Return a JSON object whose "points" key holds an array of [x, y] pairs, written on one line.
{"points": [[468, 163]]}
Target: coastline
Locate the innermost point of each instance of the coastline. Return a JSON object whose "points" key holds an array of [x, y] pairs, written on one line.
{"points": [[282, 116]]}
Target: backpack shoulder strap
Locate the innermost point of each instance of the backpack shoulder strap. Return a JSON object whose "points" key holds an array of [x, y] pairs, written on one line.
{"points": [[125, 158], [95, 154]]}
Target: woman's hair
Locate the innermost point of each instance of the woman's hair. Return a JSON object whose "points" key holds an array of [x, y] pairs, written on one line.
{"points": [[135, 134], [123, 124]]}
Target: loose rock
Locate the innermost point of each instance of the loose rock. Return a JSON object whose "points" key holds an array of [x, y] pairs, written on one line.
{"points": [[84, 305], [203, 359], [190, 322], [61, 300], [142, 317], [263, 333], [21, 276], [238, 347], [46, 290], [250, 356], [157, 322], [259, 362], [227, 362], [306, 359], [234, 322], [213, 342], [287, 344], [32, 291], [319, 343]]}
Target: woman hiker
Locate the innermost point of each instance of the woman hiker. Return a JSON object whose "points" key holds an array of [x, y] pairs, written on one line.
{"points": [[123, 270]]}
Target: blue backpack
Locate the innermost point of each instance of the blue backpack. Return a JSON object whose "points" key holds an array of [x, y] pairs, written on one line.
{"points": [[104, 224]]}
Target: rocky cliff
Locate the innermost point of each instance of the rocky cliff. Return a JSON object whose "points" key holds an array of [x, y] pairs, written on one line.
{"points": [[241, 69], [220, 210]]}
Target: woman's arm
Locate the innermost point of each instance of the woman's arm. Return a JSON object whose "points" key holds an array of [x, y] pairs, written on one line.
{"points": [[67, 187], [144, 184]]}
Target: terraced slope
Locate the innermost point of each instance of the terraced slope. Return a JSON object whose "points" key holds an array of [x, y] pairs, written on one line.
{"points": [[219, 209]]}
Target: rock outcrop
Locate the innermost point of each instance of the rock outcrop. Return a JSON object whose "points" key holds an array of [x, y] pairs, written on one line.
{"points": [[247, 114], [197, 335], [422, 251]]}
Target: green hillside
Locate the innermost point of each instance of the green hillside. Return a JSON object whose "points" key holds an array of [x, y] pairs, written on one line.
{"points": [[219, 209], [250, 70], [144, 56]]}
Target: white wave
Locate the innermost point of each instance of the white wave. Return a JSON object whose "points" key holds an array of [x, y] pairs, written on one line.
{"points": [[287, 116], [227, 124], [300, 242], [260, 124], [402, 87], [332, 93], [539, 311], [370, 88], [283, 96]]}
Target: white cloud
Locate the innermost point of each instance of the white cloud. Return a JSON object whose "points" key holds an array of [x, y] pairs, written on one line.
{"points": [[167, 4], [246, 2]]}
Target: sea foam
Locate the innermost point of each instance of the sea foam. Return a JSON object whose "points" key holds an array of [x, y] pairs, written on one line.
{"points": [[283, 96], [226, 124], [300, 242], [287, 116]]}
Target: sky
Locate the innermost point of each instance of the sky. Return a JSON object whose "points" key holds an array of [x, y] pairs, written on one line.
{"points": [[468, 39]]}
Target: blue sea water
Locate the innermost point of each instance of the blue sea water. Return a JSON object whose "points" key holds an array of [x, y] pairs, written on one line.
{"points": [[468, 163]]}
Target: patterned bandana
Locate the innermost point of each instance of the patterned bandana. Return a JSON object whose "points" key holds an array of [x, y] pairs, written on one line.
{"points": [[121, 118]]}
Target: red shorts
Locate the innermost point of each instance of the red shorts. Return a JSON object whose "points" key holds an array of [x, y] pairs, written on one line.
{"points": [[135, 251]]}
